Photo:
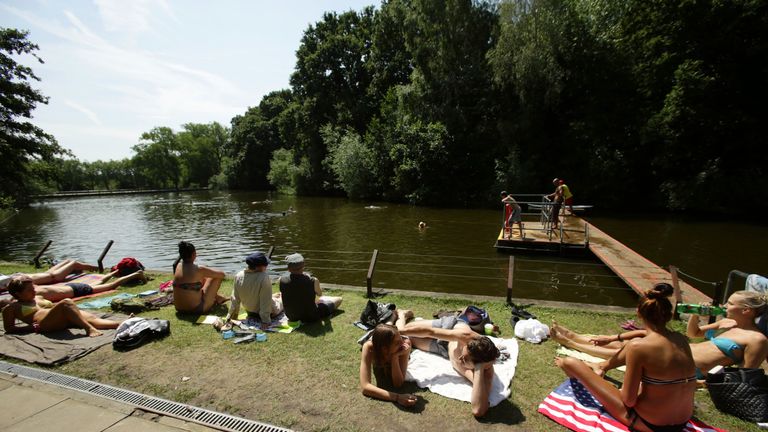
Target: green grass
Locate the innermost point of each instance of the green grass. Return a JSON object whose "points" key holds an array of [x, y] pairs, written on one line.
{"points": [[308, 380]]}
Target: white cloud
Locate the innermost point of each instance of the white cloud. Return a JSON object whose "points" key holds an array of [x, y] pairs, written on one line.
{"points": [[88, 113], [131, 17]]}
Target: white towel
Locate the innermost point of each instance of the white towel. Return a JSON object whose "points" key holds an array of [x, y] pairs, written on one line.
{"points": [[436, 373], [758, 283]]}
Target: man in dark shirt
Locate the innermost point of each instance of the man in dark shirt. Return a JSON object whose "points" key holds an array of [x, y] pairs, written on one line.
{"points": [[303, 298]]}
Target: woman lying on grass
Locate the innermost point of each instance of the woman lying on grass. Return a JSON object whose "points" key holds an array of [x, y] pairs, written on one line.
{"points": [[387, 353], [659, 383], [739, 341], [43, 316]]}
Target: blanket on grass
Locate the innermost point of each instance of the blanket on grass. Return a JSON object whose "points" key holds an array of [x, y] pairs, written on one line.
{"points": [[55, 347], [436, 373], [574, 407], [103, 302]]}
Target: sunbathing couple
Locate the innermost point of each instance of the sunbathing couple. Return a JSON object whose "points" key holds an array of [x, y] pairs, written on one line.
{"points": [[389, 348], [661, 366], [34, 305]]}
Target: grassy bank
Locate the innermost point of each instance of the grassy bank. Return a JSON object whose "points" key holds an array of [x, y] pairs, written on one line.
{"points": [[308, 380]]}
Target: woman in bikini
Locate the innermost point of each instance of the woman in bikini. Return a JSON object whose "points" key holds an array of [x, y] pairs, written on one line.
{"points": [[739, 341], [43, 316], [659, 384], [387, 352], [195, 288], [59, 272]]}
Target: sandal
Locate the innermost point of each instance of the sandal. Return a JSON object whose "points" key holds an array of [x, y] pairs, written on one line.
{"points": [[518, 311]]}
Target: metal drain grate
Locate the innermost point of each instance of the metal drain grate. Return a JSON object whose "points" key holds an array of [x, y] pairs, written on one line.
{"points": [[157, 405]]}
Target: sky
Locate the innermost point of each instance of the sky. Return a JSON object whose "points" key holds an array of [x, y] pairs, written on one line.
{"points": [[117, 68]]}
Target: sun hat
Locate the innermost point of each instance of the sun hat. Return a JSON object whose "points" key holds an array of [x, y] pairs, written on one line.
{"points": [[294, 259], [257, 259]]}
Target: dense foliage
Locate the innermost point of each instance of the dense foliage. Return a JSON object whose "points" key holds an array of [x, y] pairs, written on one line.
{"points": [[657, 103]]}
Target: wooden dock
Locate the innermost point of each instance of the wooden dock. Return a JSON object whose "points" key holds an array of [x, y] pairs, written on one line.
{"points": [[637, 271], [579, 236]]}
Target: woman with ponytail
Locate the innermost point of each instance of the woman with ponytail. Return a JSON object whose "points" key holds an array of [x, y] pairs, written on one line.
{"points": [[659, 383]]}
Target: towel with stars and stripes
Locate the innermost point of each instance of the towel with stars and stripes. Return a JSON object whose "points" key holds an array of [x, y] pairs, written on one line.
{"points": [[572, 406]]}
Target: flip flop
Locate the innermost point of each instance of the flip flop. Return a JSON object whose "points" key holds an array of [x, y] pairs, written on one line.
{"points": [[518, 311]]}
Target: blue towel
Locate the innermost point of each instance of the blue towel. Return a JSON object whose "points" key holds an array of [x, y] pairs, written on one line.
{"points": [[103, 302]]}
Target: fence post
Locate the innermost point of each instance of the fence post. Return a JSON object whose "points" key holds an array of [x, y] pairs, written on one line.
{"points": [[270, 251], [36, 259], [103, 254], [369, 277], [510, 278], [676, 289]]}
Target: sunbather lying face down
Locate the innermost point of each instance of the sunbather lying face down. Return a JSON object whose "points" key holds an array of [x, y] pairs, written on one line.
{"points": [[471, 354], [387, 352], [42, 316], [659, 382], [740, 340]]}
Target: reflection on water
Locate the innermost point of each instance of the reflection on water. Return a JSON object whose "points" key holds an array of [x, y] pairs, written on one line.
{"points": [[337, 236]]}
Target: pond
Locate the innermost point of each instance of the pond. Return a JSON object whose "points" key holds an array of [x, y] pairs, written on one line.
{"points": [[453, 254]]}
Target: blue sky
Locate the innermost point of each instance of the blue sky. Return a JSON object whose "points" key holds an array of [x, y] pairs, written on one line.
{"points": [[117, 68]]}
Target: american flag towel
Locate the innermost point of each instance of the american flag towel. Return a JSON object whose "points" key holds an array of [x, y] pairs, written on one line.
{"points": [[574, 407]]}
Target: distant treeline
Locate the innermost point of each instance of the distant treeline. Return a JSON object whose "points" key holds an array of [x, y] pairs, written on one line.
{"points": [[636, 103]]}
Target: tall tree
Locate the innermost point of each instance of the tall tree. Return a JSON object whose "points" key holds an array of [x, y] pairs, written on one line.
{"points": [[21, 142]]}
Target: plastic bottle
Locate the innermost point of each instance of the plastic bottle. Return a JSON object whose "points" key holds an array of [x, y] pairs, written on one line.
{"points": [[699, 309]]}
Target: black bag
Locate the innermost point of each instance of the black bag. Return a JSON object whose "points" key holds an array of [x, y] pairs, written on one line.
{"points": [[376, 313], [742, 392], [134, 332]]}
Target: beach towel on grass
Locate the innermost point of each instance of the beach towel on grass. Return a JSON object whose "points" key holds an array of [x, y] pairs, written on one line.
{"points": [[55, 347], [571, 405], [563, 351], [279, 324], [436, 373], [103, 302]]}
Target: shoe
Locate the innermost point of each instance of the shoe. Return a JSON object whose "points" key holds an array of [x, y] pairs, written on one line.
{"points": [[518, 311]]}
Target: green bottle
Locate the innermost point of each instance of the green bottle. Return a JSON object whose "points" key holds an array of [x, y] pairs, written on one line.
{"points": [[699, 309]]}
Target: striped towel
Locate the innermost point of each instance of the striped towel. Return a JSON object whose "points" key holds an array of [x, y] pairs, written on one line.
{"points": [[573, 406]]}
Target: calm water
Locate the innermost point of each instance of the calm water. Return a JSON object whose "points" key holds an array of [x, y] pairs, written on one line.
{"points": [[337, 237]]}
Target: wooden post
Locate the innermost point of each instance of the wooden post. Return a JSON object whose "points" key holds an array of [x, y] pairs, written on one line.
{"points": [[676, 287], [103, 254], [36, 259], [369, 277], [510, 278], [270, 251]]}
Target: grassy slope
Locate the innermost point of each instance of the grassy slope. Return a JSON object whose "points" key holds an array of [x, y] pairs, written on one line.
{"points": [[308, 380]]}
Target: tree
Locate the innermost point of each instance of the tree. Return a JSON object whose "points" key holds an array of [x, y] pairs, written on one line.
{"points": [[157, 159], [21, 142]]}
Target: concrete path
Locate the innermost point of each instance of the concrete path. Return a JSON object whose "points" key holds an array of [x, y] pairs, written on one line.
{"points": [[29, 405]]}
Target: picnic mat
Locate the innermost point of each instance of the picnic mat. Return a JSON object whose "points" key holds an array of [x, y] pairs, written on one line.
{"points": [[278, 325], [436, 373], [55, 347], [104, 301], [574, 407]]}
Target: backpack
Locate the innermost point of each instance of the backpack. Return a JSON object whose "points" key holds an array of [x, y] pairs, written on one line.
{"points": [[376, 313], [134, 332], [127, 266], [477, 318], [129, 305]]}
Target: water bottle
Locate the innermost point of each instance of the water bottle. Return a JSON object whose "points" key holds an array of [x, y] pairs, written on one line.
{"points": [[699, 309]]}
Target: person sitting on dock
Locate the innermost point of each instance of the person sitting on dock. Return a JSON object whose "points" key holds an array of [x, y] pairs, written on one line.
{"points": [[741, 341], [659, 383], [513, 213], [471, 355], [387, 353], [43, 316], [254, 290], [195, 288], [303, 298]]}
